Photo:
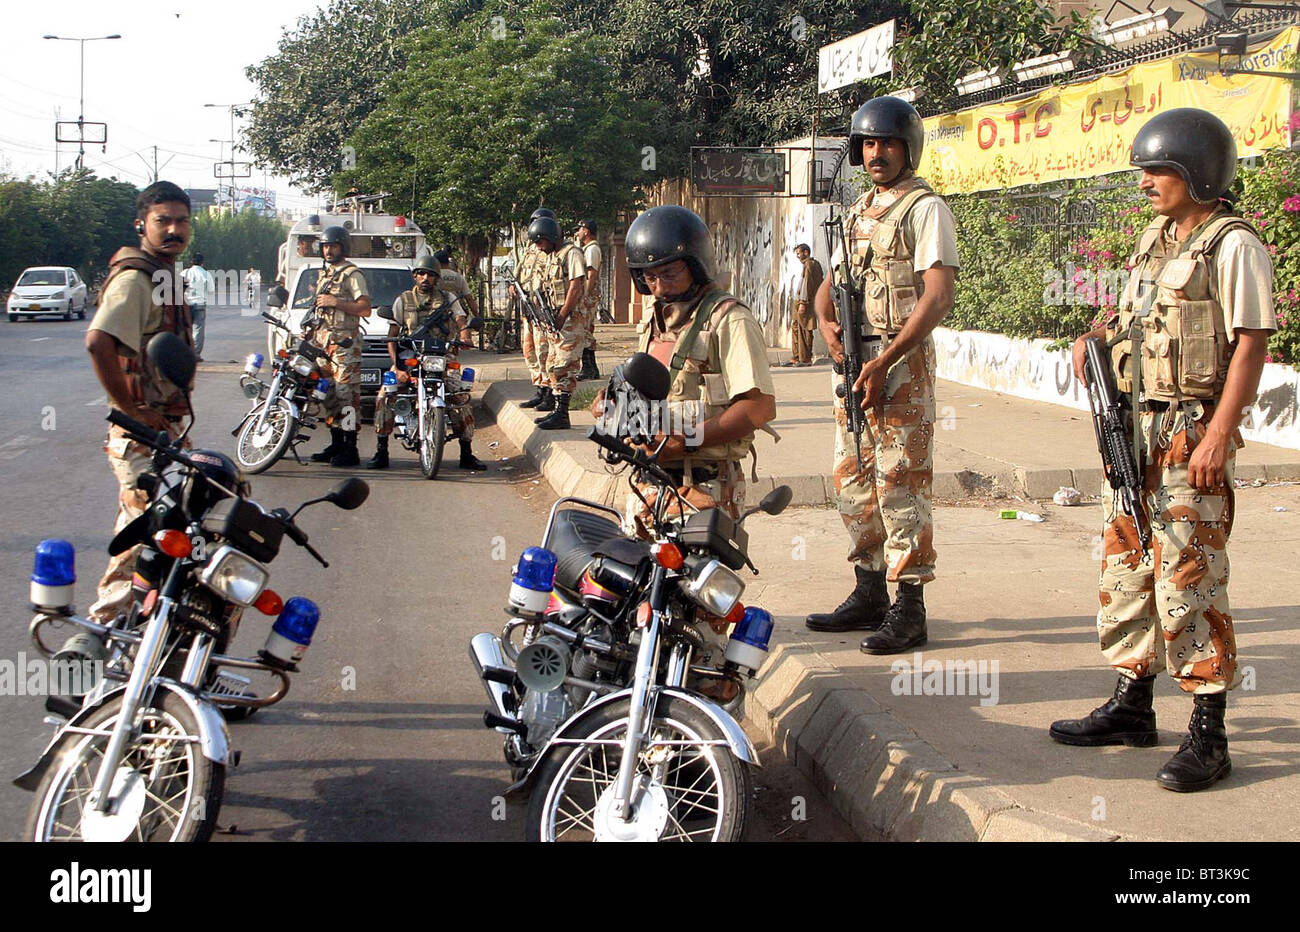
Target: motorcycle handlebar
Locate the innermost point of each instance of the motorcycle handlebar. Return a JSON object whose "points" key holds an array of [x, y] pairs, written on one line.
{"points": [[144, 433], [630, 455]]}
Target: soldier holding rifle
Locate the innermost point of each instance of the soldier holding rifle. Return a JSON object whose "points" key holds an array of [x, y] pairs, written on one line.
{"points": [[1187, 350], [901, 265]]}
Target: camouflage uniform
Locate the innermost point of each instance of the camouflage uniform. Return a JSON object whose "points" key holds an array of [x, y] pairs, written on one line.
{"points": [[411, 308], [1180, 589], [127, 312], [886, 507], [591, 297], [348, 283], [534, 340], [728, 358], [565, 360]]}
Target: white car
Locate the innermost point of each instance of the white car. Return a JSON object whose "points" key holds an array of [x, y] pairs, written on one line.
{"points": [[52, 289]]}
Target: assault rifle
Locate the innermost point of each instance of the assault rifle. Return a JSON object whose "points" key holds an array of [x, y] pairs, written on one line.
{"points": [[846, 295], [531, 308], [1114, 442], [552, 319]]}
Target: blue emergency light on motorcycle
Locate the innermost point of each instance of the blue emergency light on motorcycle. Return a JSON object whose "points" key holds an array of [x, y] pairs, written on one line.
{"points": [[291, 634], [530, 588], [389, 381], [54, 573], [467, 375], [253, 364], [747, 646], [322, 389]]}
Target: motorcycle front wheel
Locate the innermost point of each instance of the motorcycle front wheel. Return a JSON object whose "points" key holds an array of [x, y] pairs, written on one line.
{"points": [[171, 792], [259, 450], [696, 790], [435, 436]]}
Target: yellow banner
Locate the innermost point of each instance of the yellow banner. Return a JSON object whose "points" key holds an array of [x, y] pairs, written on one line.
{"points": [[1085, 130]]}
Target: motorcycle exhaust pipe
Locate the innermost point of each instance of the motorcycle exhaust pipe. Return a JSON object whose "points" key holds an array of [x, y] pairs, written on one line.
{"points": [[485, 653]]}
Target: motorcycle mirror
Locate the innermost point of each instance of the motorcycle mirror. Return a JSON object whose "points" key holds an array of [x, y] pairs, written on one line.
{"points": [[277, 297], [173, 358], [349, 494], [386, 312], [775, 501], [648, 376]]}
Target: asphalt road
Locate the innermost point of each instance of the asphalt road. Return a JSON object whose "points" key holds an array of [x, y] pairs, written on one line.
{"points": [[381, 736]]}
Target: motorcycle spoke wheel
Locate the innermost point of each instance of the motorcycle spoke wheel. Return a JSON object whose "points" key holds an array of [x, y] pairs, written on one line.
{"points": [[258, 450], [694, 791], [179, 789], [432, 442]]}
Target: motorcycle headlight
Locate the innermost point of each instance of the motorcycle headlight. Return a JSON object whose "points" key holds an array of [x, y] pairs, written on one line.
{"points": [[302, 365], [715, 587], [235, 577], [435, 364]]}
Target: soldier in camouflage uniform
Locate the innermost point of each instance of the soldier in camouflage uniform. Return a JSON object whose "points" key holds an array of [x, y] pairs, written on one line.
{"points": [[591, 254], [534, 339], [410, 310], [128, 316], [563, 284], [1197, 312], [341, 302], [902, 251]]}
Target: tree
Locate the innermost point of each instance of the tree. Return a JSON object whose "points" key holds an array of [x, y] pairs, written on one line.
{"points": [[323, 81], [475, 130], [246, 240]]}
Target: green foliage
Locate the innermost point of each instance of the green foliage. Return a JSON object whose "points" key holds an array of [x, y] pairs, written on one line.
{"points": [[324, 80], [518, 119], [72, 219], [1271, 200], [246, 240]]}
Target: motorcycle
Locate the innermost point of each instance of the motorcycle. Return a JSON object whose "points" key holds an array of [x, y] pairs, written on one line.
{"points": [[286, 408], [144, 757], [606, 717], [420, 405]]}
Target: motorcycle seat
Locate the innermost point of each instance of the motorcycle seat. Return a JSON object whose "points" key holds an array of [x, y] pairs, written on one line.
{"points": [[575, 538]]}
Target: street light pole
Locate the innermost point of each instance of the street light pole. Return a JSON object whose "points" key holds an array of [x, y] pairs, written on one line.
{"points": [[81, 107], [231, 180]]}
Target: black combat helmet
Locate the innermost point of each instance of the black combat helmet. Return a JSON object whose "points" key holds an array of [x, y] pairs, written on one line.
{"points": [[545, 228], [1194, 143], [337, 235], [664, 234], [222, 470], [589, 224], [887, 118], [542, 212], [427, 261]]}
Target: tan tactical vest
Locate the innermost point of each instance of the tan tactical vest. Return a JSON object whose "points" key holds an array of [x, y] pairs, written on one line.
{"points": [[698, 391], [339, 324], [556, 279], [146, 385], [416, 306], [890, 286], [1185, 342]]}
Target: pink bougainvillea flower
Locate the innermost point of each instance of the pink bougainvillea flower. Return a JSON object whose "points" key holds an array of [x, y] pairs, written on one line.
{"points": [[1292, 204], [1293, 124]]}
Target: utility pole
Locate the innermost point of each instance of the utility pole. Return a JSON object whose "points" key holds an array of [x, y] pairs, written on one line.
{"points": [[81, 109], [231, 161]]}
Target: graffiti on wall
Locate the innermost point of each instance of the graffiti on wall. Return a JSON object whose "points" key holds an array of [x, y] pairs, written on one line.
{"points": [[743, 245]]}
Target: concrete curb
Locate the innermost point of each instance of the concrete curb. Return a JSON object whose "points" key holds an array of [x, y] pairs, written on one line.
{"points": [[886, 782]]}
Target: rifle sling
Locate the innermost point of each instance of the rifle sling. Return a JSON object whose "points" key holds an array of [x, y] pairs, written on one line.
{"points": [[703, 312]]}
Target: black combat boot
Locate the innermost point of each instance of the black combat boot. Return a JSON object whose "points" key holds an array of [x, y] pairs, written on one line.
{"points": [[904, 624], [1203, 757], [336, 444], [546, 404], [1126, 719], [467, 458], [536, 399], [559, 418], [347, 455], [863, 610], [589, 370], [380, 459]]}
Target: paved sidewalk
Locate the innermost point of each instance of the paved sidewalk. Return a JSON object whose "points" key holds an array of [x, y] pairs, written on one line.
{"points": [[1011, 614]]}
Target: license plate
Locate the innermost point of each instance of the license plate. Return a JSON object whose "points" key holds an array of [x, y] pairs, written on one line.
{"points": [[35, 307], [371, 376]]}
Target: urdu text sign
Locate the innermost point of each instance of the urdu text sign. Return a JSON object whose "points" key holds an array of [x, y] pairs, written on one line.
{"points": [[856, 58]]}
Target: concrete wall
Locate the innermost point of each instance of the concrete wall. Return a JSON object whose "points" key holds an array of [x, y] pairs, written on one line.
{"points": [[1027, 369]]}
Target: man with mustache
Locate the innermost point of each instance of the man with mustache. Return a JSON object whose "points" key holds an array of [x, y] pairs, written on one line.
{"points": [[1188, 349], [341, 302], [902, 253], [142, 296]]}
